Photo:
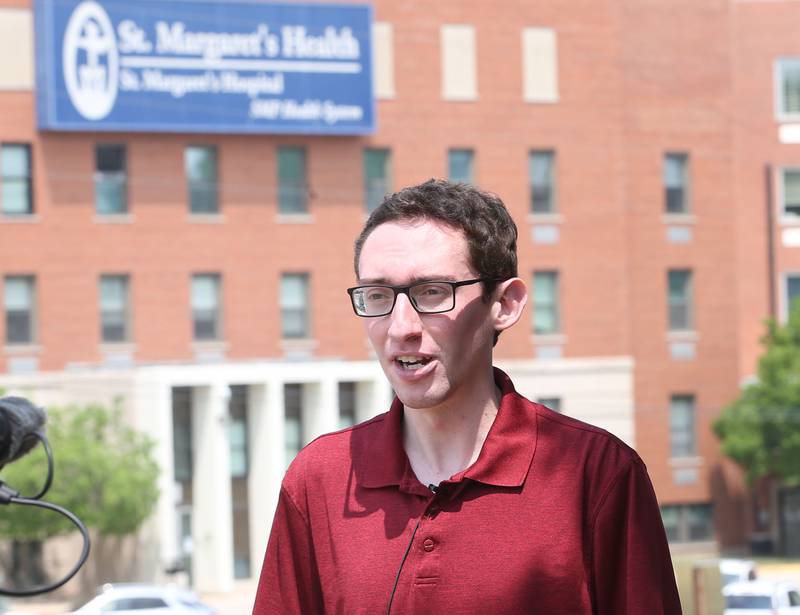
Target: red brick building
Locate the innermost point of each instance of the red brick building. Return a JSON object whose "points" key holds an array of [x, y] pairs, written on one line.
{"points": [[645, 149]]}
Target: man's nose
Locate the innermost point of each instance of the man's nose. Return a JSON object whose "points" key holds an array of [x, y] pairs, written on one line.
{"points": [[404, 319]]}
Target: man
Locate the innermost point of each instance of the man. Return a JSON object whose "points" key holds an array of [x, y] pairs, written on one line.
{"points": [[465, 497]]}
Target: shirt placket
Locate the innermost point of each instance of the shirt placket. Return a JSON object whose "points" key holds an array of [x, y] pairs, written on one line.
{"points": [[429, 550]]}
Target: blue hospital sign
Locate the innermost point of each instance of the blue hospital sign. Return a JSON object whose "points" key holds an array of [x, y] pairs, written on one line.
{"points": [[204, 66]]}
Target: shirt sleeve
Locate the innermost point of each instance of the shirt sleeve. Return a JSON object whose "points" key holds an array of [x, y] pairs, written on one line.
{"points": [[631, 563], [289, 583]]}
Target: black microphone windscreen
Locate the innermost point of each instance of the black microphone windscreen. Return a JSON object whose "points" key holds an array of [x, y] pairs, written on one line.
{"points": [[23, 421]]}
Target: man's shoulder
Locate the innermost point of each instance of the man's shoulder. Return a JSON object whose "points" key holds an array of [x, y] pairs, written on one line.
{"points": [[596, 444], [333, 453]]}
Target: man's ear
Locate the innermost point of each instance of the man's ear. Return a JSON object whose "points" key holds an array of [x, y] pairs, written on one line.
{"points": [[510, 298]]}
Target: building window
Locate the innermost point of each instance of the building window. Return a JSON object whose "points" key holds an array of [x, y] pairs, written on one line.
{"points": [[539, 65], [460, 165], [792, 292], [114, 308], [294, 306], [676, 183], [237, 431], [293, 420], [545, 303], [682, 430], [541, 174], [182, 435], [20, 307], [788, 87], [790, 192], [377, 176], [201, 175], [110, 179], [554, 403], [16, 181], [688, 522], [679, 282], [206, 306], [347, 404], [292, 180], [459, 63]]}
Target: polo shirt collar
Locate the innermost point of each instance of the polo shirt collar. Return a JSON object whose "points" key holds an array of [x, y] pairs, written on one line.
{"points": [[504, 460]]}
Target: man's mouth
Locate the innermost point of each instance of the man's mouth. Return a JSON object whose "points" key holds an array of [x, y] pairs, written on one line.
{"points": [[411, 362]]}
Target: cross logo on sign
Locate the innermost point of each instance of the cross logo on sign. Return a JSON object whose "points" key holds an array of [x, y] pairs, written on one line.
{"points": [[91, 61]]}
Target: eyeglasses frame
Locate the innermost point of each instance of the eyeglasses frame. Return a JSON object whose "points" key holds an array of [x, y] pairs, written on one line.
{"points": [[405, 290]]}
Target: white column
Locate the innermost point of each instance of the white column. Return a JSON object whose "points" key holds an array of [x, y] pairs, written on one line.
{"points": [[265, 420], [153, 411], [212, 515], [373, 397], [320, 408]]}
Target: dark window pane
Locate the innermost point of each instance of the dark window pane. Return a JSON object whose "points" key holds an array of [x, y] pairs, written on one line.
{"points": [[680, 300], [15, 167], [682, 426], [294, 306], [347, 404], [206, 307], [545, 302], [541, 174], [377, 182], [292, 180], [676, 183], [790, 87], [201, 172], [182, 433], [110, 180], [293, 420], [19, 304], [459, 165], [114, 308]]}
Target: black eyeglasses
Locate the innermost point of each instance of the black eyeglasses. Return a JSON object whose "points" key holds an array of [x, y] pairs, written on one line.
{"points": [[432, 297]]}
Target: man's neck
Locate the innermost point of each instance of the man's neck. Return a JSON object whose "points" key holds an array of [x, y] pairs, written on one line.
{"points": [[446, 440]]}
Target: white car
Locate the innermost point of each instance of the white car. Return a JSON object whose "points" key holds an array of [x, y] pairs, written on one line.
{"points": [[143, 599], [733, 570], [761, 597]]}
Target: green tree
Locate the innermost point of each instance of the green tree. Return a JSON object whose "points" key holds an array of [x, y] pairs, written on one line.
{"points": [[105, 473], [760, 430]]}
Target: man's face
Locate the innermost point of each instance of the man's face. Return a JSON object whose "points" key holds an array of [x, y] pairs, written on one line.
{"points": [[428, 358]]}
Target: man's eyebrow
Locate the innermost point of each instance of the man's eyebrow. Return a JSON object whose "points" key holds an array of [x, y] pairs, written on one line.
{"points": [[411, 281]]}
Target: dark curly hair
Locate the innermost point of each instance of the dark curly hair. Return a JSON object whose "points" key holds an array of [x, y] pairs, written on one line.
{"points": [[482, 217]]}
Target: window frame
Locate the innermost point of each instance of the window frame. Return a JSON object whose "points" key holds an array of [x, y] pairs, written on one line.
{"points": [[783, 215], [784, 290], [297, 191], [686, 194], [470, 161], [217, 310], [209, 186], [687, 449], [374, 193], [689, 301], [31, 312], [291, 451], [126, 310], [684, 525], [120, 177], [304, 310], [27, 180], [554, 306], [552, 186], [781, 114]]}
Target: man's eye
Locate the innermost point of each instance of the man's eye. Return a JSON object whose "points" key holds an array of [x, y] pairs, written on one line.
{"points": [[432, 291], [377, 295]]}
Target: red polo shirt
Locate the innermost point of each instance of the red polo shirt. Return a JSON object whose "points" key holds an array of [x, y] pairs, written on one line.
{"points": [[555, 516]]}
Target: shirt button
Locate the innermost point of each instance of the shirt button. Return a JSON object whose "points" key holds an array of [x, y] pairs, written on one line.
{"points": [[428, 545]]}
